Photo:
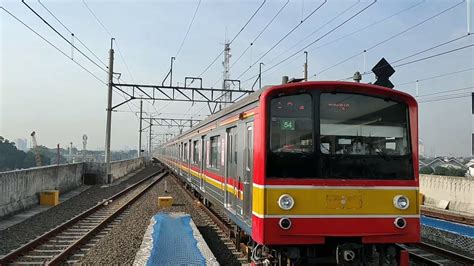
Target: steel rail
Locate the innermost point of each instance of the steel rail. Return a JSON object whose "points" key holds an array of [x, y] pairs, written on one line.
{"points": [[224, 227], [447, 253], [430, 250], [62, 227]]}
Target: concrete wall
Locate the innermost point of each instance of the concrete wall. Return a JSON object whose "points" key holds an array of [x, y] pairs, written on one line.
{"points": [[120, 169], [20, 188], [454, 191]]}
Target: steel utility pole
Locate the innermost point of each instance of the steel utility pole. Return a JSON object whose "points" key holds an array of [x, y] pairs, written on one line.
{"points": [[306, 66], [260, 75], [140, 131], [149, 142], [109, 113]]}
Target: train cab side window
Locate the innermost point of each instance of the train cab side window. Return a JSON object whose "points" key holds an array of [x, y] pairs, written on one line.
{"points": [[291, 124], [291, 127], [214, 152]]}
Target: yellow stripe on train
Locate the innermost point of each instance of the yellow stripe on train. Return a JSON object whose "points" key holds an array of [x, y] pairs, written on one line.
{"points": [[330, 201], [231, 189]]}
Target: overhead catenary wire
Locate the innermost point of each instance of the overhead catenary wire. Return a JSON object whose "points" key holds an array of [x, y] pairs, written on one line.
{"points": [[51, 44], [389, 38], [233, 39], [435, 77], [315, 41], [283, 38], [443, 92], [57, 32], [188, 30], [261, 32], [118, 49], [454, 96], [418, 53], [315, 31], [72, 33], [338, 39], [255, 39]]}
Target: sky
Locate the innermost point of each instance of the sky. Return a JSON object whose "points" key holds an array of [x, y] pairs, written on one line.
{"points": [[45, 91]]}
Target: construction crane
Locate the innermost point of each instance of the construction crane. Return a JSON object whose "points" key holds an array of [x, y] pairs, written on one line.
{"points": [[35, 146]]}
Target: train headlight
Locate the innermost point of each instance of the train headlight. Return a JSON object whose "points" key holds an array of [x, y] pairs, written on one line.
{"points": [[286, 202], [401, 202]]}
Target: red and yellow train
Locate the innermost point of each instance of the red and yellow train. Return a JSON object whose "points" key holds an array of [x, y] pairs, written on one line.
{"points": [[311, 172]]}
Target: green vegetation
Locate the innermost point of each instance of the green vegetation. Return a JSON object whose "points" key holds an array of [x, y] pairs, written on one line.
{"points": [[11, 158], [449, 171], [426, 170]]}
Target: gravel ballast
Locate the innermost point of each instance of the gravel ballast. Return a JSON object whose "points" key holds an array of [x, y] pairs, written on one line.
{"points": [[21, 233], [122, 243]]}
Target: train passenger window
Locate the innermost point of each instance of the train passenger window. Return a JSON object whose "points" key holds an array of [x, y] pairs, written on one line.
{"points": [[185, 151], [291, 124], [214, 152], [195, 151]]}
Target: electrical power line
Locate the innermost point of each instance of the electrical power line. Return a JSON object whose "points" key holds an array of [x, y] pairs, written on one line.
{"points": [[261, 32], [435, 77], [443, 92], [233, 39], [283, 38], [389, 38], [455, 96], [54, 46], [72, 33], [315, 41], [347, 35], [316, 30], [418, 53], [57, 32], [118, 50], [189, 28], [255, 39]]}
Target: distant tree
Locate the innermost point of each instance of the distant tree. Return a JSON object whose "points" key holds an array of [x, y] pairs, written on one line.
{"points": [[426, 170], [440, 170], [10, 157], [455, 171]]}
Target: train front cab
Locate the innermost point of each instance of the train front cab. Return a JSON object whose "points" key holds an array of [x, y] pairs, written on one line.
{"points": [[336, 176]]}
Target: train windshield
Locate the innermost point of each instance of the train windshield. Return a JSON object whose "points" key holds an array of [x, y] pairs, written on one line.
{"points": [[338, 135], [364, 137]]}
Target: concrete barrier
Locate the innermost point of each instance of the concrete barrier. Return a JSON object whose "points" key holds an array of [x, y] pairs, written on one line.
{"points": [[118, 169], [20, 189], [448, 192]]}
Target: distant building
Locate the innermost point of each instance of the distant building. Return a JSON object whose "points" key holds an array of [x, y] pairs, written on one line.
{"points": [[445, 162], [21, 144], [421, 148]]}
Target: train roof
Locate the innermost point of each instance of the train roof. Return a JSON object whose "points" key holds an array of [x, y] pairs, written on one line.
{"points": [[254, 97]]}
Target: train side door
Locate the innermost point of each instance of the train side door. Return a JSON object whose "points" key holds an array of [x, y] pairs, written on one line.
{"points": [[248, 173], [202, 159], [231, 173]]}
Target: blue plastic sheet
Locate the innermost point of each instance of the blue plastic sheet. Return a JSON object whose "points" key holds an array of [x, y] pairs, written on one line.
{"points": [[173, 242], [456, 228]]}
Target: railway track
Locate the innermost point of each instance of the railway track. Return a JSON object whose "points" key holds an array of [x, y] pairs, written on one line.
{"points": [[427, 254], [216, 220], [70, 241]]}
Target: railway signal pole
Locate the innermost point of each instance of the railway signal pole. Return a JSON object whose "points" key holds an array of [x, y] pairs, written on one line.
{"points": [[109, 113]]}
